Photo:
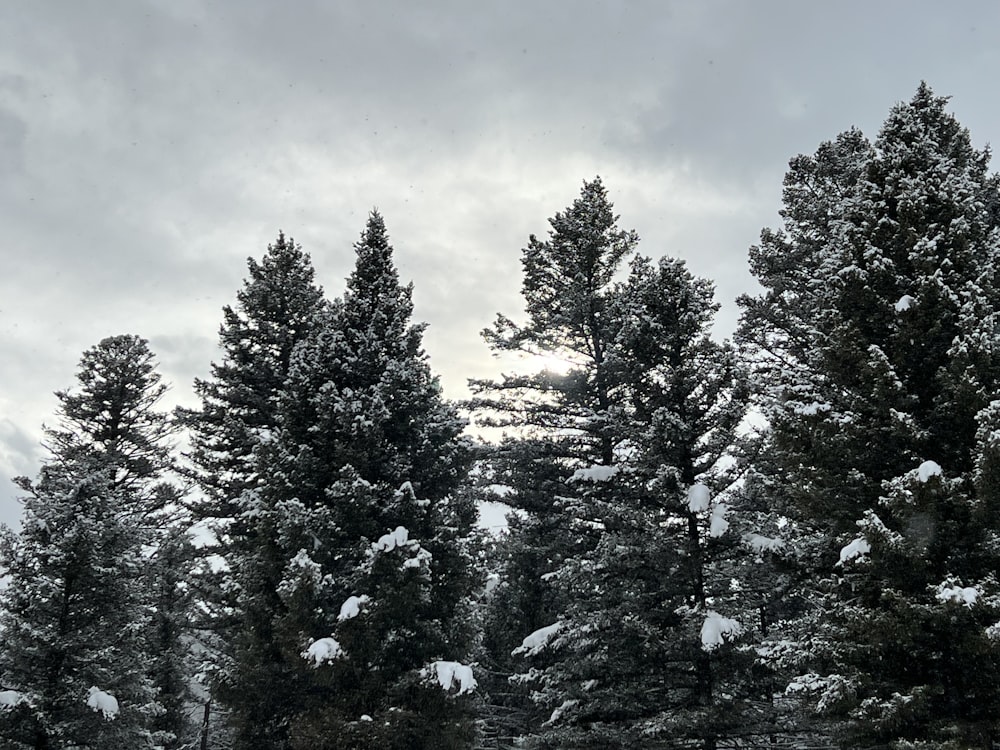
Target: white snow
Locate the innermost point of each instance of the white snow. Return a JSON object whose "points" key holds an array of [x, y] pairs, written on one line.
{"points": [[719, 523], [452, 674], [928, 469], [106, 703], [596, 473], [811, 410], [535, 642], [760, 543], [716, 629], [699, 498], [423, 556], [556, 713], [396, 538], [323, 650], [904, 303], [352, 607], [10, 698], [501, 490], [858, 548], [958, 594], [365, 717]]}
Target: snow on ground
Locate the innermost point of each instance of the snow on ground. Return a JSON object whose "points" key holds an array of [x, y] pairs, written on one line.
{"points": [[106, 703]]}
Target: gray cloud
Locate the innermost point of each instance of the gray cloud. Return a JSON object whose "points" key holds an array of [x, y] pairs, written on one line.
{"points": [[148, 147]]}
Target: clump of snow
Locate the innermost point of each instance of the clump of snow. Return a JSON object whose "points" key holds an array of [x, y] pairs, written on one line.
{"points": [[904, 303], [396, 538], [365, 717], [451, 674], [717, 629], [760, 543], [858, 548], [595, 473], [10, 698], [501, 490], [352, 607], [556, 713], [535, 642], [993, 632], [323, 650], [966, 595], [811, 410], [423, 556], [699, 498], [719, 524], [928, 469], [106, 703]]}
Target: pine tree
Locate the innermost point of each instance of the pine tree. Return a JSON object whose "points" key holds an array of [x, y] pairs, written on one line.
{"points": [[875, 338], [275, 310], [559, 423], [353, 604], [75, 617]]}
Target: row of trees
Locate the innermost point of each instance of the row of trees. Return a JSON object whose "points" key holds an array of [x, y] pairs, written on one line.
{"points": [[787, 542]]}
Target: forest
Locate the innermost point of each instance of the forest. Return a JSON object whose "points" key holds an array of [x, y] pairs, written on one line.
{"points": [[787, 540]]}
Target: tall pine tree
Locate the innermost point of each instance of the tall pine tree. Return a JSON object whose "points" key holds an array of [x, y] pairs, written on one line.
{"points": [[875, 342], [353, 600], [76, 656]]}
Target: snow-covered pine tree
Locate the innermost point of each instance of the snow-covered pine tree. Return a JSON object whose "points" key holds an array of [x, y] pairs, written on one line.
{"points": [[354, 627], [875, 342], [75, 658], [274, 311], [644, 655], [559, 422], [642, 651]]}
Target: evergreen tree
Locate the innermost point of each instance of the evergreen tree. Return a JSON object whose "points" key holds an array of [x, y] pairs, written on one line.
{"points": [[75, 658], [559, 423], [876, 349], [275, 310], [353, 601], [628, 569]]}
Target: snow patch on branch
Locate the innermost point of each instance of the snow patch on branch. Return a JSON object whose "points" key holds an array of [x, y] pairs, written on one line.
{"points": [[948, 592], [535, 642], [323, 650], [717, 629], [352, 607], [856, 549], [596, 473], [395, 538], [699, 497], [928, 469], [10, 698], [905, 303], [719, 525], [451, 674], [106, 703], [760, 543]]}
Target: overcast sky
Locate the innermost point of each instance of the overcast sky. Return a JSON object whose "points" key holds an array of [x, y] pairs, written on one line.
{"points": [[148, 147]]}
